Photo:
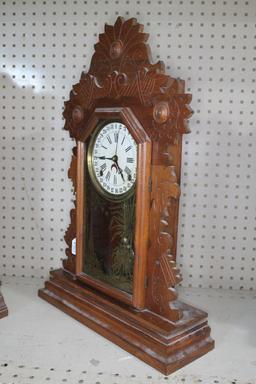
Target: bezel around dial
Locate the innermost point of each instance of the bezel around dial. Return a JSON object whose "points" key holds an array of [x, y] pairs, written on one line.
{"points": [[91, 170]]}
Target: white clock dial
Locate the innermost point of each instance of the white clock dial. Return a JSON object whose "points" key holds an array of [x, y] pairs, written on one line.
{"points": [[114, 159]]}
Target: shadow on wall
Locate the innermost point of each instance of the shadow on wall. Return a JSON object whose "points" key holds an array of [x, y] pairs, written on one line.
{"points": [[36, 193]]}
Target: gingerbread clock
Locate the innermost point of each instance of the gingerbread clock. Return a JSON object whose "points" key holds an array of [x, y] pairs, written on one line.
{"points": [[119, 276]]}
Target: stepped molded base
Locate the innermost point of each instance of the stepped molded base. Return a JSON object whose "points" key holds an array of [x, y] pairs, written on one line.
{"points": [[3, 308], [165, 345]]}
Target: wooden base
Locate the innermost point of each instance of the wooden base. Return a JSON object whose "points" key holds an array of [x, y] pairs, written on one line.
{"points": [[165, 345], [3, 308]]}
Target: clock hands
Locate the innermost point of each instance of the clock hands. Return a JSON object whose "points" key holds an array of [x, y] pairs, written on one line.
{"points": [[120, 171], [115, 157], [104, 158], [117, 141], [115, 160]]}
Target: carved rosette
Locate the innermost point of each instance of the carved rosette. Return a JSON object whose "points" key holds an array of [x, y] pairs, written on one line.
{"points": [[171, 112]]}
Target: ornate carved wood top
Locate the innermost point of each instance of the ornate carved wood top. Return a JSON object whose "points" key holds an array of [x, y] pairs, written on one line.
{"points": [[121, 71]]}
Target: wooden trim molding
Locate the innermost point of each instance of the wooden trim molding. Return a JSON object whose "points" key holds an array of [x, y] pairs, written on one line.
{"points": [[80, 198]]}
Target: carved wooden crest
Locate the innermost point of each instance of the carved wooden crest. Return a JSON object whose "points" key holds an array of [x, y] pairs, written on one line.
{"points": [[121, 70]]}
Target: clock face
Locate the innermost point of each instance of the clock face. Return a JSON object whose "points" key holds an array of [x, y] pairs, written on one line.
{"points": [[112, 160]]}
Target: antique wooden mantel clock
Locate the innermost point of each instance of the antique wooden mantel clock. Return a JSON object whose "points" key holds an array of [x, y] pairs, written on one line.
{"points": [[127, 117]]}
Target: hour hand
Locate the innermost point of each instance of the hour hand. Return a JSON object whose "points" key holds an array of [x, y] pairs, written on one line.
{"points": [[103, 157]]}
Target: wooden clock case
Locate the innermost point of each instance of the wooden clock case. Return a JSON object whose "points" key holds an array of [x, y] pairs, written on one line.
{"points": [[150, 323]]}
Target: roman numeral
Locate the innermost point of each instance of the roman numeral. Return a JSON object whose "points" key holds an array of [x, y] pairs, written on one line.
{"points": [[128, 148], [130, 160], [115, 180], [108, 176], [103, 167], [116, 137], [127, 170], [109, 140], [123, 140], [103, 147]]}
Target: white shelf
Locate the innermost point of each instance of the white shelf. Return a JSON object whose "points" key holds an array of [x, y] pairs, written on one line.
{"points": [[40, 344]]}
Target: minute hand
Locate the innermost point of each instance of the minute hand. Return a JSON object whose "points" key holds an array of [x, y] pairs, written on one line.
{"points": [[119, 170]]}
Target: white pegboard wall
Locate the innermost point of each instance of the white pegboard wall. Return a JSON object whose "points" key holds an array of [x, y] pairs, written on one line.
{"points": [[211, 45]]}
